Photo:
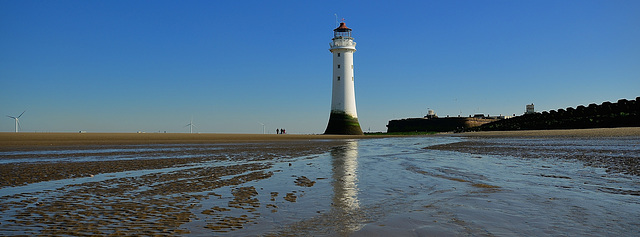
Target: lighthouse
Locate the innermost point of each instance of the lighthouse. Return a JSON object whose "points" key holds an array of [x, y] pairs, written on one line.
{"points": [[343, 118]]}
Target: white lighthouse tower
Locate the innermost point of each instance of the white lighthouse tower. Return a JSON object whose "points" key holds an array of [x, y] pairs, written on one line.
{"points": [[344, 118]]}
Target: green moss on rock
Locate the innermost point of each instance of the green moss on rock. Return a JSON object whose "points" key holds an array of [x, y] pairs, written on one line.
{"points": [[343, 124]]}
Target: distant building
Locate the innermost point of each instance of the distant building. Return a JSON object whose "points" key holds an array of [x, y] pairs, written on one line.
{"points": [[431, 114], [436, 124], [432, 123], [530, 109], [503, 117]]}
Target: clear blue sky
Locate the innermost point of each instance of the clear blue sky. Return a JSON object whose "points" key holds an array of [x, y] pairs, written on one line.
{"points": [[127, 66]]}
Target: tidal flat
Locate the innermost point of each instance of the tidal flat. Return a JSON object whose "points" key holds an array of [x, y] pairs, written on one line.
{"points": [[451, 185]]}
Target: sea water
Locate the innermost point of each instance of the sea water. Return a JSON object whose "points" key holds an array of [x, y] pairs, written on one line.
{"points": [[396, 187], [392, 187]]}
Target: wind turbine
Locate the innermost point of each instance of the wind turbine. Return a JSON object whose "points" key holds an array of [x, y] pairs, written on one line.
{"points": [[262, 127], [191, 125], [17, 119]]}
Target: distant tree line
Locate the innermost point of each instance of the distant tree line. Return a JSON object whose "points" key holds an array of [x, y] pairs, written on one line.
{"points": [[624, 113]]}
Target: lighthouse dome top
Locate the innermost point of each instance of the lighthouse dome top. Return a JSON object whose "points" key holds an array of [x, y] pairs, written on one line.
{"points": [[342, 28]]}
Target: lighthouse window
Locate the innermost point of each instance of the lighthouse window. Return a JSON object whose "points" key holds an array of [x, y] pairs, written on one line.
{"points": [[338, 54], [338, 65], [338, 78], [351, 78], [351, 66]]}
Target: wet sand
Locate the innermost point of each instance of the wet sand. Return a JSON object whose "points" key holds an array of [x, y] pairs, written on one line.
{"points": [[31, 140], [583, 133], [502, 143], [156, 203], [162, 193], [16, 174], [150, 195]]}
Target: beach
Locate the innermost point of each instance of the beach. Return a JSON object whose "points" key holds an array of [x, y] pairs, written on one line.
{"points": [[514, 143], [478, 143], [33, 140], [244, 184], [30, 172], [170, 168], [38, 140], [584, 133]]}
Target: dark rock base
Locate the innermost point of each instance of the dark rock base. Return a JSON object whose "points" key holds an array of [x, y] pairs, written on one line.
{"points": [[343, 124]]}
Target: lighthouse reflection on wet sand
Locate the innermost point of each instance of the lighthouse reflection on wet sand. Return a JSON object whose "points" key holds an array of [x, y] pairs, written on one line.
{"points": [[344, 118]]}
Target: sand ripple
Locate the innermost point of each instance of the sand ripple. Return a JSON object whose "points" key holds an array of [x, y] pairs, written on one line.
{"points": [[156, 203]]}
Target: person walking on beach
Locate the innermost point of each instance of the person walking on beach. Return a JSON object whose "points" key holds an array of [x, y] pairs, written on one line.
{"points": [[277, 131]]}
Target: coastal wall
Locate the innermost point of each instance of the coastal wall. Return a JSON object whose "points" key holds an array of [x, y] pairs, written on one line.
{"points": [[435, 124], [624, 113]]}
